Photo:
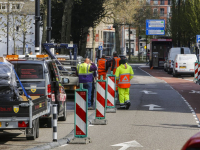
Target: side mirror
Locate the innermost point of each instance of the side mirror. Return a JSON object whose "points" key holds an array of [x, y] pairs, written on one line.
{"points": [[65, 80], [46, 71]]}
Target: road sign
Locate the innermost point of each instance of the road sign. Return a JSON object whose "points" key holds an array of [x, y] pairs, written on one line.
{"points": [[155, 27], [198, 38], [101, 48]]}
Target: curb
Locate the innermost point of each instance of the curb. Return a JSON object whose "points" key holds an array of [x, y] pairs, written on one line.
{"points": [[62, 141]]}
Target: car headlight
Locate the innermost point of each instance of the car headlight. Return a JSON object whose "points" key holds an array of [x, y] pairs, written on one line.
{"points": [[65, 80]]}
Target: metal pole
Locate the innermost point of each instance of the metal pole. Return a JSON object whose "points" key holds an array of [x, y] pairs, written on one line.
{"points": [[146, 48], [178, 23], [48, 21], [8, 27], [129, 38], [37, 27]]}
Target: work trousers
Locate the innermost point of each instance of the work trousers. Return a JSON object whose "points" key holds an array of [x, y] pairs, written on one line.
{"points": [[123, 95], [88, 86], [102, 74]]}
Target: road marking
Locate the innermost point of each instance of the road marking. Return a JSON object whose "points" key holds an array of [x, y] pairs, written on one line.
{"points": [[63, 145], [193, 91], [148, 92], [126, 145], [151, 107], [91, 125]]}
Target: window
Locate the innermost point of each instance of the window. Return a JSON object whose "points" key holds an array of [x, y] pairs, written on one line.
{"points": [[155, 2], [161, 11], [169, 2], [162, 2], [155, 12], [3, 6], [15, 6]]}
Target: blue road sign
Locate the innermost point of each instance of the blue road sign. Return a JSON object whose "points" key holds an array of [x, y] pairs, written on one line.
{"points": [[155, 27], [101, 48], [198, 38]]}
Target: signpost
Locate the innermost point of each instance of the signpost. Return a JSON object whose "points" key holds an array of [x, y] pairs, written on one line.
{"points": [[100, 48], [155, 27]]}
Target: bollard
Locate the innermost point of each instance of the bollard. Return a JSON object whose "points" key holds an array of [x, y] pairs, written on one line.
{"points": [[111, 83], [80, 117], [101, 100], [195, 71], [54, 122]]}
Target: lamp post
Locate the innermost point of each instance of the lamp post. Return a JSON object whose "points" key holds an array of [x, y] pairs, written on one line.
{"points": [[37, 27], [8, 26]]}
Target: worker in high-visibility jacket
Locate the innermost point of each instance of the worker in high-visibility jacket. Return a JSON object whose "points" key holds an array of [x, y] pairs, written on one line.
{"points": [[114, 65], [114, 62], [124, 74], [102, 67], [85, 74]]}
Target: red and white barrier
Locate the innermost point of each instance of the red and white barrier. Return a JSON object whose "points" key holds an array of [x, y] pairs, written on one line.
{"points": [[81, 117], [196, 70], [111, 91], [100, 100]]}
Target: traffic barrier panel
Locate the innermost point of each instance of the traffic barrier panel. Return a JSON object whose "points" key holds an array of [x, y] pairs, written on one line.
{"points": [[101, 100], [111, 92], [55, 137], [81, 117], [196, 71]]}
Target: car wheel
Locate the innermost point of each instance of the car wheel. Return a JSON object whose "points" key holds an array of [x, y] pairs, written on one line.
{"points": [[168, 71]]}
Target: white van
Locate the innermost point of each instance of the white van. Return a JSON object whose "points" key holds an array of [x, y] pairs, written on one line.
{"points": [[184, 64], [172, 54]]}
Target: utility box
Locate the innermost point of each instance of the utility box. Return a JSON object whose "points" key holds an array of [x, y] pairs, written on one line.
{"points": [[155, 59]]}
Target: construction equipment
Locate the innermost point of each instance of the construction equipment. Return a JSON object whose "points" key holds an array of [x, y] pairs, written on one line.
{"points": [[66, 65]]}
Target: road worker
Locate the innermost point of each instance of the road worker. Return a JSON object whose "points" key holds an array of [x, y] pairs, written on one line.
{"points": [[114, 62], [85, 74], [102, 67], [124, 74], [114, 65]]}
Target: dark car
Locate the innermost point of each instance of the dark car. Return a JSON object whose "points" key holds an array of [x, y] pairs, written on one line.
{"points": [[40, 78], [123, 57]]}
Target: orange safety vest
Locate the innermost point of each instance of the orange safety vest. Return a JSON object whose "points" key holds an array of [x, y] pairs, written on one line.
{"points": [[102, 65], [124, 80], [117, 59]]}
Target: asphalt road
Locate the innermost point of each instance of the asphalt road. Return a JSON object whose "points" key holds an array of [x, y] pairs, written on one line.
{"points": [[158, 119]]}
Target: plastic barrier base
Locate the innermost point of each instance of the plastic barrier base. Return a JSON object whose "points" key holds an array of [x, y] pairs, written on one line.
{"points": [[111, 110], [99, 122], [85, 140]]}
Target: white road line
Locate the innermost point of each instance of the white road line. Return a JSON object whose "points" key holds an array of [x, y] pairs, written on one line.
{"points": [[63, 145]]}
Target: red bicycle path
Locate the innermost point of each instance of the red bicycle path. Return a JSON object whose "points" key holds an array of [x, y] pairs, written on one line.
{"points": [[189, 90]]}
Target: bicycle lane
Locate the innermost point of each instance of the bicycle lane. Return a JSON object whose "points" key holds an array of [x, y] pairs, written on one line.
{"points": [[186, 88]]}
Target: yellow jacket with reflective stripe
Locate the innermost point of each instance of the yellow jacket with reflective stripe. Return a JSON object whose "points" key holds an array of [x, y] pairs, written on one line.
{"points": [[124, 70], [84, 74]]}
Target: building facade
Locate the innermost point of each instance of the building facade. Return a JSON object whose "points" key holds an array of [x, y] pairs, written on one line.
{"points": [[19, 17]]}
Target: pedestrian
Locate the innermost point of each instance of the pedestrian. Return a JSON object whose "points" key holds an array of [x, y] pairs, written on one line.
{"points": [[85, 74], [93, 86], [124, 74], [102, 67]]}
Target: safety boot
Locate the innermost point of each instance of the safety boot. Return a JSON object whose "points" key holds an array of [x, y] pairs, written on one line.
{"points": [[127, 104], [122, 106]]}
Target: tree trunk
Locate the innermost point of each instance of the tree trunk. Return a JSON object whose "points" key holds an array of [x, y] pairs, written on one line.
{"points": [[68, 17], [44, 35], [117, 41], [93, 44], [64, 18], [84, 41]]}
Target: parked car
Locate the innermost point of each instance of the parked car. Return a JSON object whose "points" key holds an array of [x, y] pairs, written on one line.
{"points": [[184, 64], [36, 74], [123, 57], [172, 54]]}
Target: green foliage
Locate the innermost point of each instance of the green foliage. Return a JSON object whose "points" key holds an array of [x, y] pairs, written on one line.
{"points": [[184, 23]]}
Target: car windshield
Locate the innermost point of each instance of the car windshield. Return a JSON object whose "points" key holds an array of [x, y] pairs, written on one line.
{"points": [[29, 71]]}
